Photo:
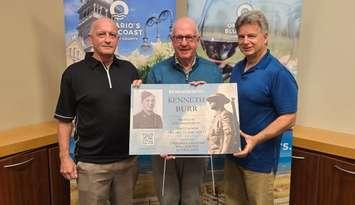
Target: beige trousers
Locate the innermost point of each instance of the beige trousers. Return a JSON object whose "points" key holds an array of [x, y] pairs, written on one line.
{"points": [[245, 187], [107, 184]]}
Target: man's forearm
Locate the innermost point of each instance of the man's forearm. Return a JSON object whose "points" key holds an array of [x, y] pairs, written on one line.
{"points": [[64, 132], [277, 127]]}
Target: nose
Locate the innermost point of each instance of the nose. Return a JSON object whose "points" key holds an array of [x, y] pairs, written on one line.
{"points": [[184, 41], [243, 40], [108, 38]]}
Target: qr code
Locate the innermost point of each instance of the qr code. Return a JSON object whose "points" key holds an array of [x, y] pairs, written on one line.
{"points": [[148, 139]]}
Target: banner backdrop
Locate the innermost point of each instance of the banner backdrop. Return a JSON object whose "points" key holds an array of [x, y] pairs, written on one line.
{"points": [[144, 28], [216, 21]]}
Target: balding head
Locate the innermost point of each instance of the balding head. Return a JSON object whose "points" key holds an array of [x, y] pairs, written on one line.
{"points": [[103, 36], [101, 21], [185, 39], [185, 22]]}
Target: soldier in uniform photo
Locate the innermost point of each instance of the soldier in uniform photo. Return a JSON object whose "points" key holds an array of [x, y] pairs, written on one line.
{"points": [[147, 118], [222, 131]]}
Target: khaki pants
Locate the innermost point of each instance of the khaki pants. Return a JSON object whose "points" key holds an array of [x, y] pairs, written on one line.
{"points": [[245, 187], [107, 184]]}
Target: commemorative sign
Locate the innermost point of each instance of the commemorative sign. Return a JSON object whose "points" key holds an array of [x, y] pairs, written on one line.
{"points": [[184, 119]]}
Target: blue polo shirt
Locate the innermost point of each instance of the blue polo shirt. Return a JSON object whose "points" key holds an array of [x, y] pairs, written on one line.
{"points": [[265, 92]]}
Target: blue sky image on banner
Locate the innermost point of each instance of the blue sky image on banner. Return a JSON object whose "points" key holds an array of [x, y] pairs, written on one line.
{"points": [[144, 27]]}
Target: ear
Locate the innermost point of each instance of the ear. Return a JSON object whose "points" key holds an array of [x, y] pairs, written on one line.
{"points": [[198, 38], [89, 39], [266, 36]]}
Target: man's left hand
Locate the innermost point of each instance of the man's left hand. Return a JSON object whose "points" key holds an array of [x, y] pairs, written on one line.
{"points": [[196, 83], [167, 156], [250, 144]]}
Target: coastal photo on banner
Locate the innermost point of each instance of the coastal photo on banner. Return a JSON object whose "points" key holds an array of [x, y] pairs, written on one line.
{"points": [[219, 44], [144, 28]]}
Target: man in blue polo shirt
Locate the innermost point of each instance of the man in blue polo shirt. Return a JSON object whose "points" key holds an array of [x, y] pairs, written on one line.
{"points": [[267, 95]]}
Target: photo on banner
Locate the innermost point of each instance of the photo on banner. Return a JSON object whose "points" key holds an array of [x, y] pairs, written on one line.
{"points": [[144, 28], [216, 21]]}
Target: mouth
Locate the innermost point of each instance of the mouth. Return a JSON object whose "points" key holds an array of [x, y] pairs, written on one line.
{"points": [[247, 48], [184, 50]]}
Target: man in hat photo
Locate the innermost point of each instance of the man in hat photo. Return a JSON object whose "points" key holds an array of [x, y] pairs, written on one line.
{"points": [[147, 118], [222, 131]]}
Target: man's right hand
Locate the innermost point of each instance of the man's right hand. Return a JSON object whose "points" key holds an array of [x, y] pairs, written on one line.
{"points": [[68, 168], [137, 83]]}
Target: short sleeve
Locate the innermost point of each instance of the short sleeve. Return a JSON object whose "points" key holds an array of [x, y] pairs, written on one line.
{"points": [[284, 92], [65, 110]]}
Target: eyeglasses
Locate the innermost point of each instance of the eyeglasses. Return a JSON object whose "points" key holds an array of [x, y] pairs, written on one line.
{"points": [[180, 38]]}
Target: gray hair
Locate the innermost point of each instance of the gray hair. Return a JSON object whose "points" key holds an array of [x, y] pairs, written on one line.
{"points": [[252, 17], [94, 24]]}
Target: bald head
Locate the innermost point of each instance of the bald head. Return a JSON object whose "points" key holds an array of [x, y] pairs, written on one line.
{"points": [[185, 39], [185, 23], [103, 37]]}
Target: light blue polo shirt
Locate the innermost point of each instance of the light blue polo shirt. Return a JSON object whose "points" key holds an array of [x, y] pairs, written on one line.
{"points": [[170, 71]]}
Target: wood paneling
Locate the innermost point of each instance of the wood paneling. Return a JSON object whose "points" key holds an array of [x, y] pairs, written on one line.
{"points": [[321, 179], [304, 179], [60, 187], [337, 181], [24, 179]]}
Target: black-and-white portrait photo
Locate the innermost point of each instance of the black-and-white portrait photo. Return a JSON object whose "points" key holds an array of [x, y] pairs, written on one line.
{"points": [[147, 118]]}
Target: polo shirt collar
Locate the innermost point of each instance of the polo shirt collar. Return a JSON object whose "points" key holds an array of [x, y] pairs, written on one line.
{"points": [[262, 64], [176, 62], [94, 63]]}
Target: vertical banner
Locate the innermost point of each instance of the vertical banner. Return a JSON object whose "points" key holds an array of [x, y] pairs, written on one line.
{"points": [[144, 28], [216, 21]]}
